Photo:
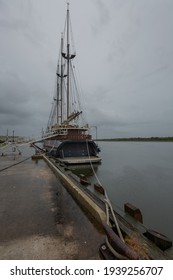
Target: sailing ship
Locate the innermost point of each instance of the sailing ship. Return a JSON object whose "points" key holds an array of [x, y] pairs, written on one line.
{"points": [[67, 138]]}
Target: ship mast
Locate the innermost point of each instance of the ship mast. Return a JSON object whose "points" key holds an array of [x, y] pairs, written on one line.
{"points": [[68, 62], [61, 80], [57, 95], [61, 76], [68, 57]]}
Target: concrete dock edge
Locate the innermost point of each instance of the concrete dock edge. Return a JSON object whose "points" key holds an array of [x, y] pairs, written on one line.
{"points": [[83, 199]]}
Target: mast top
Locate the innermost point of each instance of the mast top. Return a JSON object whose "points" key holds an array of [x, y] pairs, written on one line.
{"points": [[68, 4]]}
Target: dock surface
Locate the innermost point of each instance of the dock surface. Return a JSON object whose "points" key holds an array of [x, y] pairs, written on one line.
{"points": [[38, 217]]}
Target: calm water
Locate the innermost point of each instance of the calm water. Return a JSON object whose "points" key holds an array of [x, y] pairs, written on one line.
{"points": [[140, 173]]}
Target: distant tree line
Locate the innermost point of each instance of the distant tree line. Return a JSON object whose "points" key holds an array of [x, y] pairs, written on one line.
{"points": [[140, 139]]}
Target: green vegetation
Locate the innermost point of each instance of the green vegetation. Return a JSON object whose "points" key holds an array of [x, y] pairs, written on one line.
{"points": [[141, 139], [2, 144]]}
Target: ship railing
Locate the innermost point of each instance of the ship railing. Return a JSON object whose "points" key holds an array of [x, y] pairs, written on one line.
{"points": [[62, 131]]}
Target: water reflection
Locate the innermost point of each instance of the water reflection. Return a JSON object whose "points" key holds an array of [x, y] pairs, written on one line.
{"points": [[86, 170]]}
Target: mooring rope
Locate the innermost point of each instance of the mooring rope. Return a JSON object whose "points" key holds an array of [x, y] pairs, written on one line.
{"points": [[51, 149], [107, 200], [14, 164]]}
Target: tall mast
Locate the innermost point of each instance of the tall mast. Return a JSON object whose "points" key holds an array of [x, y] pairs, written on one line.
{"points": [[60, 87], [68, 57], [68, 62], [61, 80], [57, 95]]}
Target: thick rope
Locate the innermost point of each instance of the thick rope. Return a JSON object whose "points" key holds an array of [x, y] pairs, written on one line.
{"points": [[107, 201], [14, 164]]}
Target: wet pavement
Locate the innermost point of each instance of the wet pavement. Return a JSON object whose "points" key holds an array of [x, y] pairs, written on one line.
{"points": [[38, 218]]}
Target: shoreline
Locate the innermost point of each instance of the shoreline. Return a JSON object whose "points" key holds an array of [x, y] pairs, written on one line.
{"points": [[138, 139]]}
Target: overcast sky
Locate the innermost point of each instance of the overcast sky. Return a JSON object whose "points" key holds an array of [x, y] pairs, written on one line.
{"points": [[124, 54]]}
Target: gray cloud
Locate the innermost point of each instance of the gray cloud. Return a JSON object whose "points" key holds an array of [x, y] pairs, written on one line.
{"points": [[125, 60]]}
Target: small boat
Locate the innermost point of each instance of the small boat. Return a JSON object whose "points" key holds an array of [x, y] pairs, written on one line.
{"points": [[67, 138]]}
